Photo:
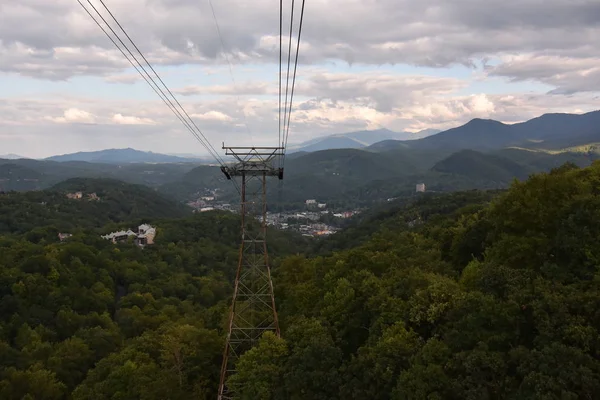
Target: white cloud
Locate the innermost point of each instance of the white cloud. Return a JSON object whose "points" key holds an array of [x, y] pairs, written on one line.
{"points": [[213, 116], [567, 75], [74, 116], [130, 120]]}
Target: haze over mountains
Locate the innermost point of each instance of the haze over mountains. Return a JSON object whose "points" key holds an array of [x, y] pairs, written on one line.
{"points": [[480, 154], [10, 156], [549, 132], [357, 140], [129, 155]]}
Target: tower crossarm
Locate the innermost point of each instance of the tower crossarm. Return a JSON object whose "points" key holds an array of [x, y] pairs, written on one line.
{"points": [[253, 161]]}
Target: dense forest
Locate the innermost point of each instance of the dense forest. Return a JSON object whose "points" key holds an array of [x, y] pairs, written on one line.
{"points": [[50, 211], [471, 295]]}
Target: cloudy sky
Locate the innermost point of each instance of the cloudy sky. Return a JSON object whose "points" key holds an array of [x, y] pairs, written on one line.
{"points": [[364, 64]]}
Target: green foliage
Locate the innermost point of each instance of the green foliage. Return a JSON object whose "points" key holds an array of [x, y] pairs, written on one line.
{"points": [[480, 166], [479, 300], [42, 214], [88, 319], [473, 295]]}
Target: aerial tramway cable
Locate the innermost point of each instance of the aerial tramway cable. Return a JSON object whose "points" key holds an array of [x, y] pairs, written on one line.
{"points": [[294, 78], [279, 141], [287, 83], [230, 68], [188, 123], [149, 80], [161, 81], [284, 130]]}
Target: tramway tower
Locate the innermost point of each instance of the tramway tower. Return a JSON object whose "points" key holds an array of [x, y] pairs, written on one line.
{"points": [[253, 304]]}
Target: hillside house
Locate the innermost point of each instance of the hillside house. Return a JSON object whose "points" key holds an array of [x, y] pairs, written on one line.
{"points": [[75, 196], [144, 236], [64, 236], [119, 236]]}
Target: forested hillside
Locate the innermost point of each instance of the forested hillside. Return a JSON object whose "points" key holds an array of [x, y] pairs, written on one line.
{"points": [[86, 319], [466, 296], [495, 301], [49, 211]]}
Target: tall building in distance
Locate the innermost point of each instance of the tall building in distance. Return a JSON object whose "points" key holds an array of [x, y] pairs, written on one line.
{"points": [[421, 187]]}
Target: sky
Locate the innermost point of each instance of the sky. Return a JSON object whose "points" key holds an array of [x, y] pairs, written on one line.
{"points": [[363, 64]]}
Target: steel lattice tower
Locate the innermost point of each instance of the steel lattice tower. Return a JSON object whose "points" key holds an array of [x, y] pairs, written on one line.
{"points": [[253, 305]]}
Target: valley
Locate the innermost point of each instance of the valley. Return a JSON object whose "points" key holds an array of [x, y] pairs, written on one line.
{"points": [[479, 155], [434, 284]]}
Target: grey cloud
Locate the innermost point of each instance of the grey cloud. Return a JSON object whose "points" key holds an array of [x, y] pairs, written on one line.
{"points": [[57, 64], [516, 14], [430, 32], [567, 75]]}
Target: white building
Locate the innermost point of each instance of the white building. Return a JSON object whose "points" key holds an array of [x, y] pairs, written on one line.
{"points": [[420, 187], [76, 195], [64, 236], [145, 235], [119, 236]]}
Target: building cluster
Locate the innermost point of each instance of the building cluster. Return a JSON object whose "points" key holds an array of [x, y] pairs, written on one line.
{"points": [[79, 196], [313, 230], [210, 201], [313, 204], [309, 223], [144, 236]]}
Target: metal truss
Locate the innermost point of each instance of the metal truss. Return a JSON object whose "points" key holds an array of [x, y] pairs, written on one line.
{"points": [[253, 305]]}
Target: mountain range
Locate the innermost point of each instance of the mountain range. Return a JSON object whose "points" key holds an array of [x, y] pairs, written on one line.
{"points": [[129, 155], [547, 132], [357, 140], [480, 154]]}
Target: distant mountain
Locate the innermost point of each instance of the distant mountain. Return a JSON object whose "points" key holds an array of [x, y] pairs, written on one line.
{"points": [[10, 156], [550, 132], [329, 143], [122, 156], [52, 172], [357, 140]]}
